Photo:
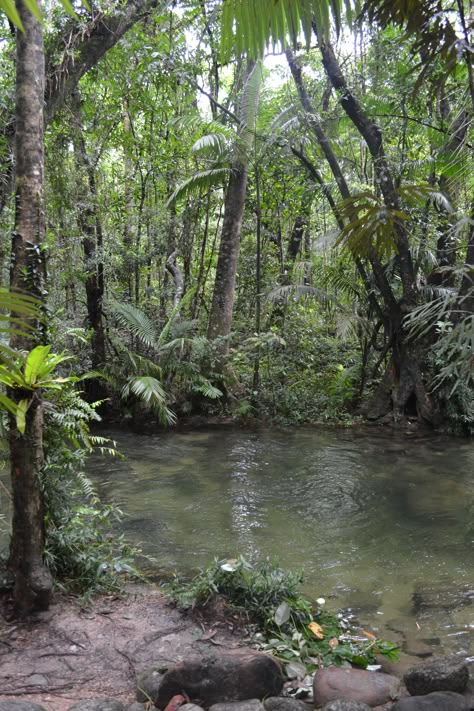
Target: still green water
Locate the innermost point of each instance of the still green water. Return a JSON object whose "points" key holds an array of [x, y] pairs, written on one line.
{"points": [[381, 524]]}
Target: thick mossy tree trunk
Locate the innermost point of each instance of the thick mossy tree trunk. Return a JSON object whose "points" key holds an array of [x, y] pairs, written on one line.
{"points": [[33, 582]]}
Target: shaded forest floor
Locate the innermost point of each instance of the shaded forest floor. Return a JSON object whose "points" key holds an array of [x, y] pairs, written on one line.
{"points": [[71, 653]]}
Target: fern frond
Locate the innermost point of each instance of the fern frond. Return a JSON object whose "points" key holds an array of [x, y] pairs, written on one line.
{"points": [[249, 103], [252, 25], [206, 388]]}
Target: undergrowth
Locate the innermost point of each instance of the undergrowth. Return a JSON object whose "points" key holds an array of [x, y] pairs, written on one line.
{"points": [[301, 634], [83, 551]]}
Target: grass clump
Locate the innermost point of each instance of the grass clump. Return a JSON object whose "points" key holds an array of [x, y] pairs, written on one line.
{"points": [[300, 633]]}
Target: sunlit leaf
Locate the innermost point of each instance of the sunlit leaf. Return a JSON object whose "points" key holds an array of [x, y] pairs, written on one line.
{"points": [[21, 411]]}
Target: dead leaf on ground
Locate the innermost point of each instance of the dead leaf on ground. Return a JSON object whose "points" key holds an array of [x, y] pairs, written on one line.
{"points": [[317, 630]]}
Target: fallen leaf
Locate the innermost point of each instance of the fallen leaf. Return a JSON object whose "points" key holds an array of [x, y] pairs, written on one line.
{"points": [[317, 630], [333, 642], [208, 635], [282, 614], [295, 670]]}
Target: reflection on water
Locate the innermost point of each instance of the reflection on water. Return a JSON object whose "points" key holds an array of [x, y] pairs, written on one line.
{"points": [[378, 523]]}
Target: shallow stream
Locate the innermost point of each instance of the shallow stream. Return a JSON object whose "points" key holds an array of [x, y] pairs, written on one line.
{"points": [[382, 524]]}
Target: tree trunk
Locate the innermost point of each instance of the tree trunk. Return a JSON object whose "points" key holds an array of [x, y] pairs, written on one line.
{"points": [[86, 46], [173, 268], [220, 317], [92, 244], [33, 582], [406, 365]]}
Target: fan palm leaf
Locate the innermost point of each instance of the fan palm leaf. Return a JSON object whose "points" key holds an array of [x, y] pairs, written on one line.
{"points": [[136, 322], [150, 391]]}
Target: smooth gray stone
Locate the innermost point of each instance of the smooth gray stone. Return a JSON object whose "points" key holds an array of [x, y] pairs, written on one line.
{"points": [[282, 703], [438, 674], [148, 684], [248, 705], [437, 701], [18, 705], [346, 705], [103, 704]]}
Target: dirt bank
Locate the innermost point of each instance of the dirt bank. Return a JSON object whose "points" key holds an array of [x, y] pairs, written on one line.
{"points": [[71, 652]]}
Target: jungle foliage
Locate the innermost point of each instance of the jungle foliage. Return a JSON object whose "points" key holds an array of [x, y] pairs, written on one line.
{"points": [[259, 208]]}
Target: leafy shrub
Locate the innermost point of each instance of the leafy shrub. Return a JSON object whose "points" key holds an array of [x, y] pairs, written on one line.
{"points": [[83, 553], [289, 626]]}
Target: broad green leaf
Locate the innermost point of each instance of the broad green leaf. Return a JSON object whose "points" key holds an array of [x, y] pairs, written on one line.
{"points": [[34, 363], [21, 411], [8, 7], [8, 404]]}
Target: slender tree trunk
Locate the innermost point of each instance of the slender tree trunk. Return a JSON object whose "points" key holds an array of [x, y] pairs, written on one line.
{"points": [[466, 292], [202, 257], [220, 317], [173, 268], [258, 285], [126, 271], [33, 582], [343, 187], [92, 245]]}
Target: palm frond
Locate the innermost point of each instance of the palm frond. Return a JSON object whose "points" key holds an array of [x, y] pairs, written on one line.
{"points": [[184, 328], [455, 348], [249, 101], [298, 292], [249, 26], [163, 337], [212, 145], [423, 318], [285, 117], [150, 392], [201, 181], [206, 388], [370, 224], [136, 322]]}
